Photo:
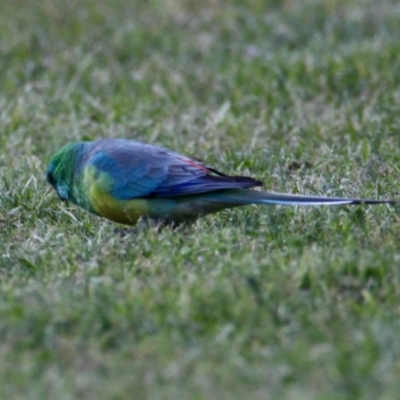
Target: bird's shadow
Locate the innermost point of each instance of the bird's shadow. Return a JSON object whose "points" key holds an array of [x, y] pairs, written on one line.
{"points": [[146, 223]]}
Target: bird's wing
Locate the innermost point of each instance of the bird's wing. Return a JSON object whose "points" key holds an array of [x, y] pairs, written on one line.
{"points": [[140, 170]]}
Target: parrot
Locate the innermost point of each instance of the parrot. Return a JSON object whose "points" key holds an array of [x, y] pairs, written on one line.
{"points": [[123, 180]]}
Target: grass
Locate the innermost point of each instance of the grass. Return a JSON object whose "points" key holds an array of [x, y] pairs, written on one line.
{"points": [[255, 303]]}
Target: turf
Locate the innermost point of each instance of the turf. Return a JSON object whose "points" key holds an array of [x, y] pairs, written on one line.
{"points": [[255, 303]]}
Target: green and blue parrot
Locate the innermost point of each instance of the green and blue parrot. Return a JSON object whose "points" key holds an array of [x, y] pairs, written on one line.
{"points": [[123, 180]]}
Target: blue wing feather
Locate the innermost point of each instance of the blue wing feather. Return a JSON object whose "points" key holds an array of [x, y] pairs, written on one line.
{"points": [[143, 170]]}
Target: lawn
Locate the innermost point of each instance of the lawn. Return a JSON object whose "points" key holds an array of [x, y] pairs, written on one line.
{"points": [[251, 303]]}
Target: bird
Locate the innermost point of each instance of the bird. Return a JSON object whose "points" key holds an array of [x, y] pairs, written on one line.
{"points": [[123, 180]]}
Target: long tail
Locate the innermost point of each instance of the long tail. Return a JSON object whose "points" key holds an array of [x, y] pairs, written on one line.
{"points": [[244, 196]]}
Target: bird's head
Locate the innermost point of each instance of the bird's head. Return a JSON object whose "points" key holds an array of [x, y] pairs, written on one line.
{"points": [[61, 170]]}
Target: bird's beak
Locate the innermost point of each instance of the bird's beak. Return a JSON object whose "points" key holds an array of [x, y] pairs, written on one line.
{"points": [[63, 193]]}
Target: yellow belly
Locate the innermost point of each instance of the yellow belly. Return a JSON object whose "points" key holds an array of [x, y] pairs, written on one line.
{"points": [[122, 211]]}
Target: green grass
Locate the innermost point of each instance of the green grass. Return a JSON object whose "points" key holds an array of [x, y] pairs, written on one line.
{"points": [[254, 303]]}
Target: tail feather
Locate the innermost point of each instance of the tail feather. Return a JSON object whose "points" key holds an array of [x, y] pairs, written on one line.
{"points": [[243, 196]]}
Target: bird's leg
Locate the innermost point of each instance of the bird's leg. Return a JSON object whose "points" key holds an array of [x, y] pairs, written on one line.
{"points": [[123, 232], [162, 223]]}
